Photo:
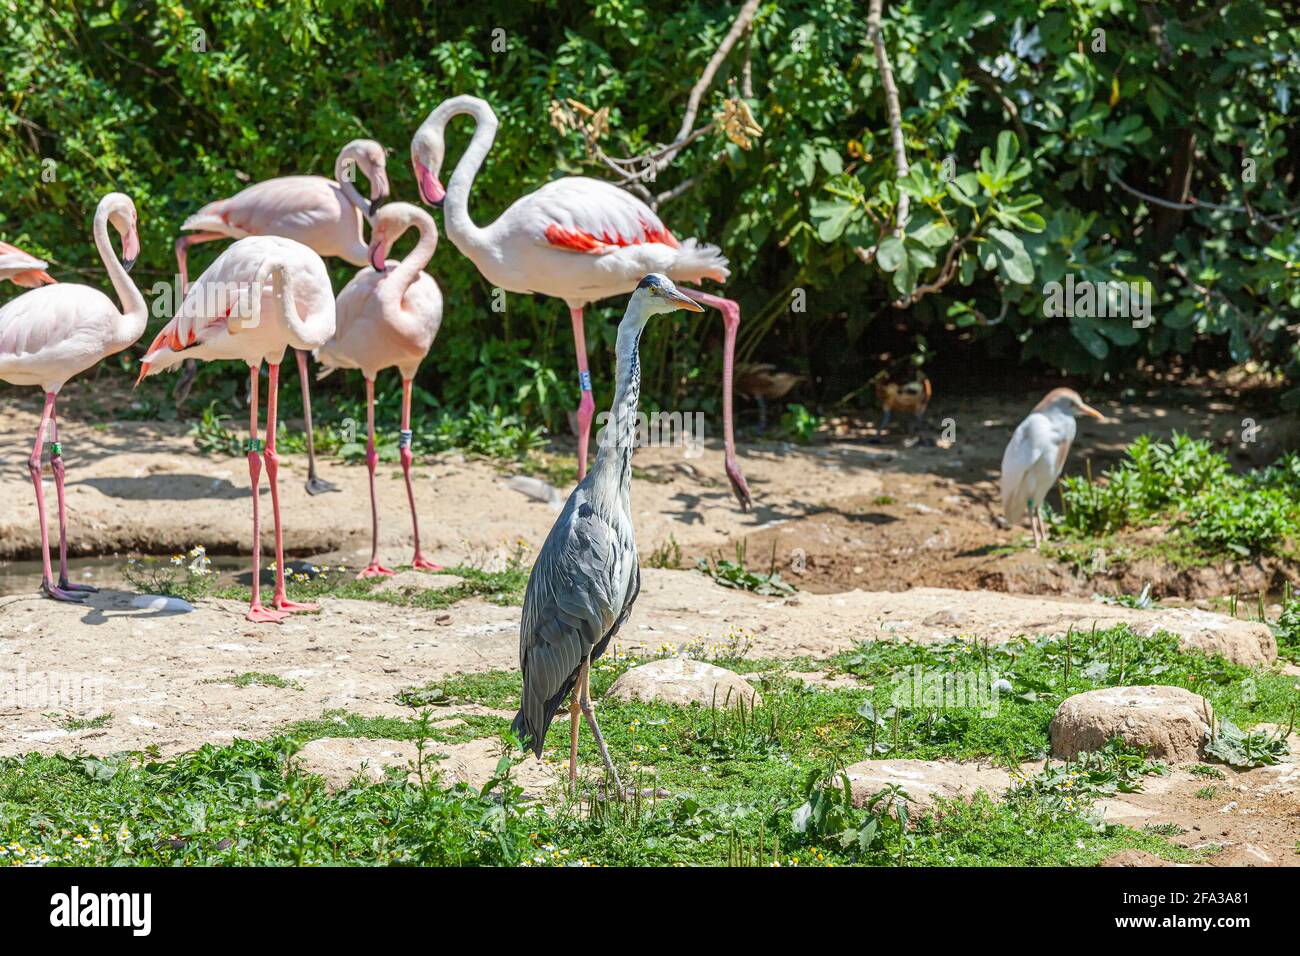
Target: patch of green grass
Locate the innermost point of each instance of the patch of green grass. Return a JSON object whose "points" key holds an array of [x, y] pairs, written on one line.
{"points": [[244, 804], [1187, 486], [734, 574], [342, 723], [714, 785], [71, 723], [505, 587], [498, 689], [256, 679]]}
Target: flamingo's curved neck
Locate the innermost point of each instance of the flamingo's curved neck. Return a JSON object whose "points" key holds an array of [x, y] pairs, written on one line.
{"points": [[394, 287], [460, 227], [345, 174], [134, 311]]}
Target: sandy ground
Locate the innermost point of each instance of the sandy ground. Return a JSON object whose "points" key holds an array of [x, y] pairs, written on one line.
{"points": [[842, 513], [884, 531], [161, 675]]}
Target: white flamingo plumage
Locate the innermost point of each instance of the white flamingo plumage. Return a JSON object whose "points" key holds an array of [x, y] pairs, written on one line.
{"points": [[21, 268], [260, 297], [575, 238], [388, 315], [323, 214], [52, 333]]}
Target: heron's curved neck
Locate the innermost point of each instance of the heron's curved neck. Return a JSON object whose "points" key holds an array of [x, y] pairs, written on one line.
{"points": [[394, 286], [612, 470], [134, 311], [461, 229]]}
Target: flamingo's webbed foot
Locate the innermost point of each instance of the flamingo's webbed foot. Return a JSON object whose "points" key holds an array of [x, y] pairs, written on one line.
{"points": [[374, 570], [66, 585], [259, 614], [59, 593], [319, 486]]}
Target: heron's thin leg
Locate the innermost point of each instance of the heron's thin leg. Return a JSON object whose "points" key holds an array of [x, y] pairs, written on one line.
{"points": [[586, 404], [315, 486], [48, 586], [374, 568], [730, 325], [56, 465], [419, 562], [257, 612], [584, 701], [574, 723], [281, 598]]}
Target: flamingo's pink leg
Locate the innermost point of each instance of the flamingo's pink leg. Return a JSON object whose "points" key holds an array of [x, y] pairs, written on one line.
{"points": [[315, 486], [586, 404], [257, 612], [280, 600], [419, 562], [48, 587], [182, 252], [374, 568], [731, 323], [56, 465]]}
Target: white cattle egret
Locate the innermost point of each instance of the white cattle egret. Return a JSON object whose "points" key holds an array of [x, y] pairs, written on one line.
{"points": [[1036, 454]]}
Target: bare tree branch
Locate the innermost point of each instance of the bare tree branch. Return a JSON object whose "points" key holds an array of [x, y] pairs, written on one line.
{"points": [[875, 11], [634, 171]]}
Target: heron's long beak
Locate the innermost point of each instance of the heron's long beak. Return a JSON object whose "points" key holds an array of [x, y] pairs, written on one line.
{"points": [[1091, 412], [684, 301]]}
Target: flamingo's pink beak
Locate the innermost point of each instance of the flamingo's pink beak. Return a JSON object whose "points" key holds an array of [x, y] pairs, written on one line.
{"points": [[130, 248], [378, 253], [431, 190]]}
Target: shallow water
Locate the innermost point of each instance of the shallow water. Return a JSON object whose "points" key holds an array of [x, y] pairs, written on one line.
{"points": [[24, 577]]}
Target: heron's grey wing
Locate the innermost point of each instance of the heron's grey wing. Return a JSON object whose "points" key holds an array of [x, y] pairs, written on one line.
{"points": [[633, 590], [569, 607]]}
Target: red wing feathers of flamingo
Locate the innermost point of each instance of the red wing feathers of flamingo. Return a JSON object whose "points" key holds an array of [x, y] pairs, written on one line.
{"points": [[591, 216]]}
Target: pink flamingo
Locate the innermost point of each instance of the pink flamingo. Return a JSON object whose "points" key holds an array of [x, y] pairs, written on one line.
{"points": [[577, 239], [323, 214], [52, 333], [22, 269], [389, 315], [261, 296]]}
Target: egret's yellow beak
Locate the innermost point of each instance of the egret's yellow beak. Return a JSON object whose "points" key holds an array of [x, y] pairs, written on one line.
{"points": [[1091, 412]]}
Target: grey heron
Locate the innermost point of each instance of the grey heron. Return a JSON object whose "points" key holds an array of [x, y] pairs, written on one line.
{"points": [[587, 576], [1036, 455]]}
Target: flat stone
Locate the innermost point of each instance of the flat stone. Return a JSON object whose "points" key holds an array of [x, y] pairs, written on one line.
{"points": [[925, 780], [1168, 723], [679, 680], [162, 602]]}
